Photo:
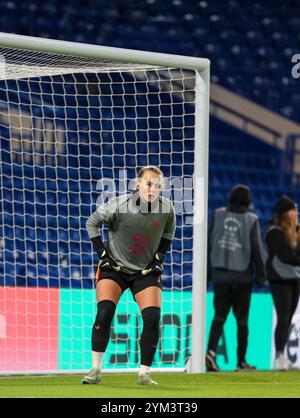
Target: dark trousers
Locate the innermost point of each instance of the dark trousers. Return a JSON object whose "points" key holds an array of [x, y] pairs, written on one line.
{"points": [[237, 297], [285, 295]]}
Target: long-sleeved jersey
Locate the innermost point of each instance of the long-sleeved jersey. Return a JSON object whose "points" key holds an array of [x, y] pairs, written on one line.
{"points": [[134, 234]]}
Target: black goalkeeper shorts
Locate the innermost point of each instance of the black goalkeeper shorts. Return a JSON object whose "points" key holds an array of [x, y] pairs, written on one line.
{"points": [[135, 282]]}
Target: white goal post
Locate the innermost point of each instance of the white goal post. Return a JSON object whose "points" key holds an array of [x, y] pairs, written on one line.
{"points": [[72, 116]]}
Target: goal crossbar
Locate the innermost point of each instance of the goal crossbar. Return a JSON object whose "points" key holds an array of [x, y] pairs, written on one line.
{"points": [[103, 52]]}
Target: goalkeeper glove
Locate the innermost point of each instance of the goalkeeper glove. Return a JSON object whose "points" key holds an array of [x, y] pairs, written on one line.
{"points": [[155, 267], [107, 262]]}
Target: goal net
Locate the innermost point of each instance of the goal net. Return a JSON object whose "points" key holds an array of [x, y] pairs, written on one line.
{"points": [[76, 124]]}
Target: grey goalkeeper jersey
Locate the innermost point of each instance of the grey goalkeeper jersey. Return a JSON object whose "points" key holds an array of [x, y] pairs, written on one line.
{"points": [[134, 234]]}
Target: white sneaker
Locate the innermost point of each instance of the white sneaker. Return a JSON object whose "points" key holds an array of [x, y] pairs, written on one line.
{"points": [[145, 379], [281, 363], [92, 378]]}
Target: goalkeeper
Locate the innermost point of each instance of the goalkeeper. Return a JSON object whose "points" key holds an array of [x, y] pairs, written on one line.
{"points": [[141, 229]]}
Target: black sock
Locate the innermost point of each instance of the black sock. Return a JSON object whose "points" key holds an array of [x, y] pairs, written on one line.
{"points": [[102, 325], [150, 334]]}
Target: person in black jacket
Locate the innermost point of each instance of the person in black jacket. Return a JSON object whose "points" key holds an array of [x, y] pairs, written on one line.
{"points": [[235, 255], [283, 271]]}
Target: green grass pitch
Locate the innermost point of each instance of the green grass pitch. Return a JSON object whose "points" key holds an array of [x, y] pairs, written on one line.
{"points": [[220, 385]]}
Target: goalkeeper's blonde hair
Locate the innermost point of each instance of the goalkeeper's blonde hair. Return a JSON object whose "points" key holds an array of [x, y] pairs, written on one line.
{"points": [[152, 168]]}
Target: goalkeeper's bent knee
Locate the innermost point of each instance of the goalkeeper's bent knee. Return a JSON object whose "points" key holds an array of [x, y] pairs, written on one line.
{"points": [[101, 328], [151, 316]]}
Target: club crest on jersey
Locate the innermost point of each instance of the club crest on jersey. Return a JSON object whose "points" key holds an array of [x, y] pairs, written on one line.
{"points": [[141, 243], [156, 224]]}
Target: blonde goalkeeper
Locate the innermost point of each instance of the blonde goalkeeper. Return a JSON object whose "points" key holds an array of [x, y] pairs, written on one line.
{"points": [[141, 229]]}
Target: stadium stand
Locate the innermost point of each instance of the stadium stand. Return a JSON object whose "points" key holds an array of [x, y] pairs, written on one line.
{"points": [[250, 44], [250, 53]]}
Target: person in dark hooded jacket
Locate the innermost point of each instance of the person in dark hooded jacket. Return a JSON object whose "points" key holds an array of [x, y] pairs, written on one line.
{"points": [[235, 256], [283, 270]]}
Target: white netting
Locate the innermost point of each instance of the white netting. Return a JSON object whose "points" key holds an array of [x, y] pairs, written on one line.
{"points": [[70, 129]]}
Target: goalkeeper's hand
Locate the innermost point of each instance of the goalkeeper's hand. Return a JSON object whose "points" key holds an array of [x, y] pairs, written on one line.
{"points": [[107, 262], [155, 267]]}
